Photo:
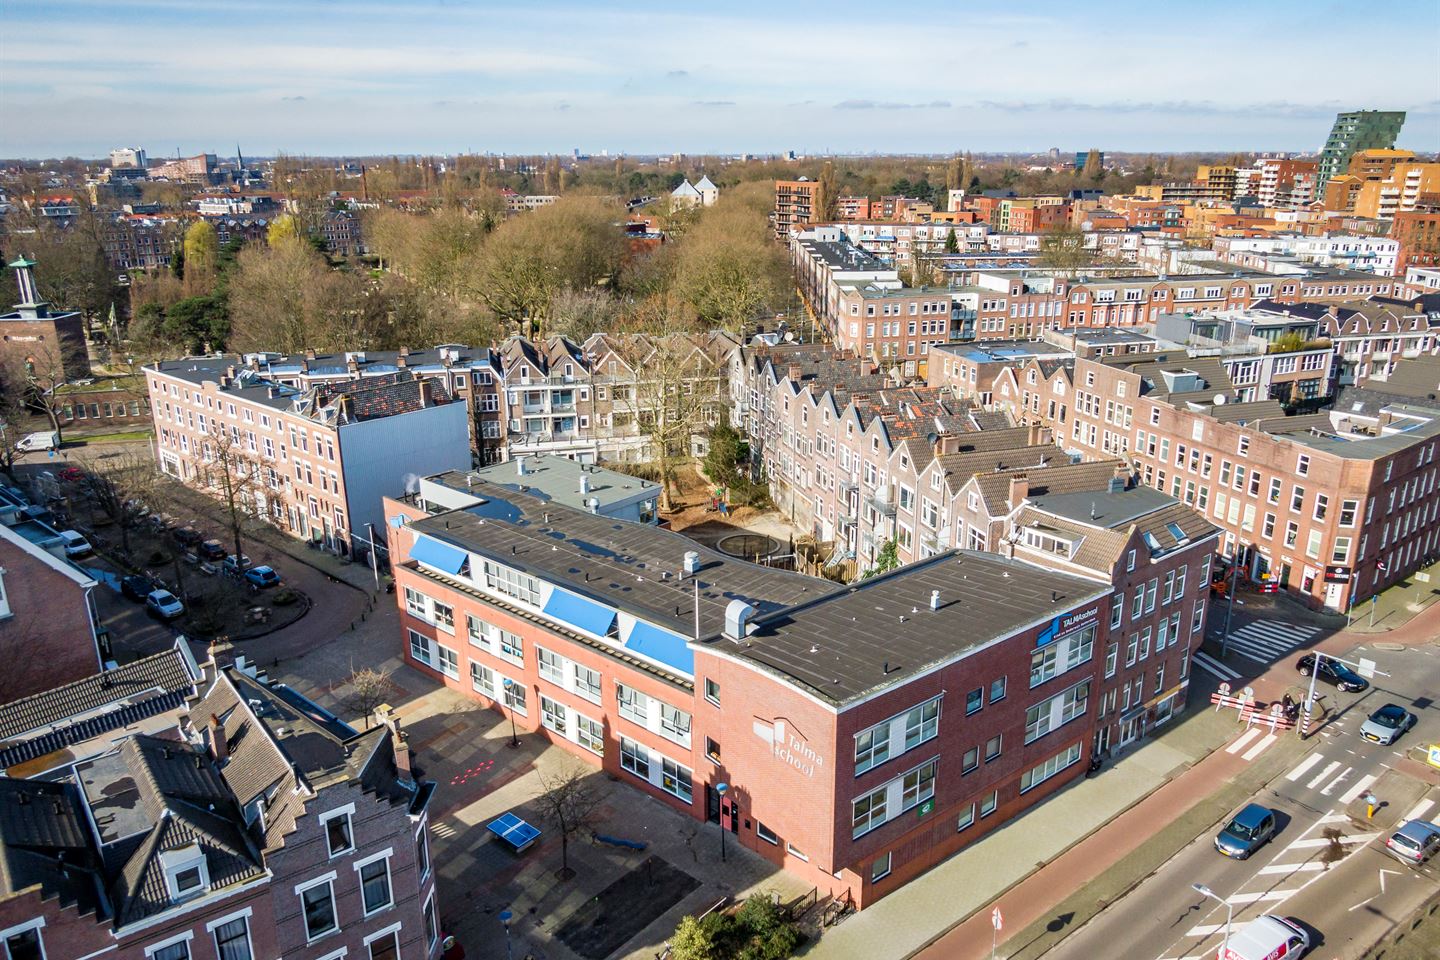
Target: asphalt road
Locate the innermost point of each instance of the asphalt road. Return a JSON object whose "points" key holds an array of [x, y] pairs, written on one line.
{"points": [[1323, 867]]}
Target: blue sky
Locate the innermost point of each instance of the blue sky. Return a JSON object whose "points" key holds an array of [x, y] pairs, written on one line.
{"points": [[421, 76]]}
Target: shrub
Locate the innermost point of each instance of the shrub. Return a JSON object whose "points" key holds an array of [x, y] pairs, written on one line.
{"points": [[283, 598]]}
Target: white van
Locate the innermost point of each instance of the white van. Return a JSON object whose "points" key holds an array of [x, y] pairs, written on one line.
{"points": [[45, 440], [75, 544], [1266, 938]]}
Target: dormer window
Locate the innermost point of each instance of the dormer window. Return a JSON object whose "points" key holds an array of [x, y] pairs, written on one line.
{"points": [[186, 874]]}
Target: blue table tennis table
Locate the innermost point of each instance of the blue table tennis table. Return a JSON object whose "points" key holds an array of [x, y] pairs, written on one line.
{"points": [[513, 831]]}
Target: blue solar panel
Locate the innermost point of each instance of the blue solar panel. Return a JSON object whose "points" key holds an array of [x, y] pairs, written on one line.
{"points": [[580, 613], [439, 555], [661, 646]]}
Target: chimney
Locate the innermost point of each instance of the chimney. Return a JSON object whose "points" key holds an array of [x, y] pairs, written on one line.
{"points": [[401, 360], [1019, 490], [219, 746], [404, 351], [351, 366], [425, 398], [230, 371], [793, 371], [934, 599], [520, 465], [403, 771], [309, 353]]}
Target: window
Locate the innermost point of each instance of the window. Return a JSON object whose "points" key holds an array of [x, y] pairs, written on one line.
{"points": [[880, 869], [917, 786], [712, 691], [444, 616], [1274, 495], [317, 902], [1056, 711], [590, 734], [675, 724], [1348, 511], [922, 723], [515, 696], [1061, 655], [432, 923], [232, 939], [1297, 499], [587, 683], [375, 883], [992, 747], [872, 747], [967, 817], [634, 705], [552, 665], [997, 690], [552, 715], [1322, 506], [447, 662], [482, 679], [422, 852], [384, 946], [675, 779], [1117, 611], [989, 804], [971, 761], [1050, 767], [712, 749], [867, 813], [512, 646], [635, 758], [176, 950], [338, 836], [765, 833], [1112, 655], [1302, 465]]}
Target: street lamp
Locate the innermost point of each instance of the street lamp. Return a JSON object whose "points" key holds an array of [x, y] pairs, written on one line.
{"points": [[505, 917], [510, 702], [1229, 913], [721, 789]]}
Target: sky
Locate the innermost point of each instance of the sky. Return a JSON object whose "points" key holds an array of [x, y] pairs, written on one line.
{"points": [[78, 77]]}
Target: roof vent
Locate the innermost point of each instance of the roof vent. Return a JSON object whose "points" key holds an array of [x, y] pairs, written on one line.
{"points": [[692, 563], [520, 465], [934, 599], [737, 620], [584, 483]]}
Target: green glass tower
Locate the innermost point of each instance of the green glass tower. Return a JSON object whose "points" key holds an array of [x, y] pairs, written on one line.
{"points": [[1353, 132]]}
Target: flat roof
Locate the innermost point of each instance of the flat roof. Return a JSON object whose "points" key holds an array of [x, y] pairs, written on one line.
{"points": [[557, 479], [1002, 351], [629, 566], [875, 634]]}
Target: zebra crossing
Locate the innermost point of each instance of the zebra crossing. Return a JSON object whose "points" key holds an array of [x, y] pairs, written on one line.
{"points": [[1266, 641], [1203, 661]]}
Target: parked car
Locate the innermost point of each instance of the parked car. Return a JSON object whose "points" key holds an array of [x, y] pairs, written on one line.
{"points": [[263, 576], [43, 440], [137, 588], [164, 604], [187, 537], [1332, 672], [1386, 724], [232, 565], [1415, 842], [70, 474], [1250, 829], [75, 544], [211, 550]]}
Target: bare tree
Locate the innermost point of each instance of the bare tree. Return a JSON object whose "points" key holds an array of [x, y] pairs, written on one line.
{"points": [[34, 377], [570, 804], [123, 488], [1065, 249], [674, 394], [13, 411], [368, 689], [235, 473]]}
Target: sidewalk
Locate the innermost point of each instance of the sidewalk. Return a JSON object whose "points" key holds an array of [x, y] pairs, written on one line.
{"points": [[1397, 606], [918, 920]]}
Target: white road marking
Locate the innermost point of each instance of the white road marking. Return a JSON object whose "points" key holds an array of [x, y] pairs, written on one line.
{"points": [[1325, 791], [1331, 818], [1205, 662], [1361, 904], [1323, 775], [1259, 748], [1419, 810], [1314, 842], [1303, 766], [1241, 899], [1360, 786], [1307, 867], [1243, 739], [1383, 871], [1205, 930]]}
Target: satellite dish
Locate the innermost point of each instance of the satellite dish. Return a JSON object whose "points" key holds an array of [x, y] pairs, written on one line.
{"points": [[1220, 399]]}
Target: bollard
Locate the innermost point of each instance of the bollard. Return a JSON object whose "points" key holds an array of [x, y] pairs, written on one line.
{"points": [[1371, 802]]}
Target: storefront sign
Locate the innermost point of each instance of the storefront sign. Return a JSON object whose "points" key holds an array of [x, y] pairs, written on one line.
{"points": [[1433, 755], [1067, 624], [788, 744], [1337, 574]]}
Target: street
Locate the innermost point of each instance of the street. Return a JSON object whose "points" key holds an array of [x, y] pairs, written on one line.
{"points": [[1326, 865]]}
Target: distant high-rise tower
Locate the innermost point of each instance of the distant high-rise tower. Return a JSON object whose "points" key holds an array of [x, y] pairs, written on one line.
{"points": [[1353, 132]]}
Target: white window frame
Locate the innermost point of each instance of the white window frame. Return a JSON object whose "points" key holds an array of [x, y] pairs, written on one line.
{"points": [[348, 812], [245, 915], [359, 865], [327, 881], [186, 938]]}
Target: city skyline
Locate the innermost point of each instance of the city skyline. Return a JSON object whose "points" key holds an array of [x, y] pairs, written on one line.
{"points": [[332, 79]]}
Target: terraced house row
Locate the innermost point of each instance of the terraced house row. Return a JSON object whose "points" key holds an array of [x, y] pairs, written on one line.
{"points": [[851, 763]]}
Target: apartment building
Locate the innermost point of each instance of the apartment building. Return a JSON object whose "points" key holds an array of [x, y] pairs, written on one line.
{"points": [[313, 462], [1408, 188], [209, 813], [1354, 132], [1370, 254], [1328, 508], [796, 202], [1418, 234], [702, 669]]}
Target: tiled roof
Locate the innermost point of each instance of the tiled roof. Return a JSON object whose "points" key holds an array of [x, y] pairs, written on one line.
{"points": [[168, 672]]}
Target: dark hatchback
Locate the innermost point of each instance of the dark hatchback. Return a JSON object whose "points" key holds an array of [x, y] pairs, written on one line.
{"points": [[1251, 829], [1332, 672]]}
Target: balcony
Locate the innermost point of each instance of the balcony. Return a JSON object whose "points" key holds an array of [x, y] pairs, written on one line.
{"points": [[562, 406], [531, 408], [883, 504]]}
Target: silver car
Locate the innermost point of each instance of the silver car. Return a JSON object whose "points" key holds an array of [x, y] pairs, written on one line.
{"points": [[1415, 842], [1386, 724]]}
